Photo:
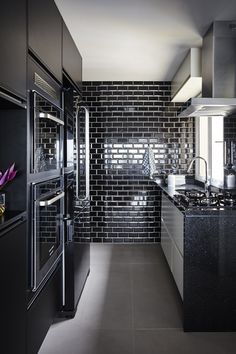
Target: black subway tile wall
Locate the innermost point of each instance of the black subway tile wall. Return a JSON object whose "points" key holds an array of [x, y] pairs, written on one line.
{"points": [[126, 118]]}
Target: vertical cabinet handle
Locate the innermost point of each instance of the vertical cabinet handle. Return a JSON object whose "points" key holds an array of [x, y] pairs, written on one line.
{"points": [[87, 146]]}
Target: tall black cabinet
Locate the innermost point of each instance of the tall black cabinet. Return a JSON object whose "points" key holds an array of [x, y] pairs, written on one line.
{"points": [[34, 36], [13, 284], [13, 47], [13, 123], [45, 34], [71, 58]]}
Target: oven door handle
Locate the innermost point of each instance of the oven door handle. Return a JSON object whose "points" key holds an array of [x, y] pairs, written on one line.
{"points": [[52, 200], [51, 117]]}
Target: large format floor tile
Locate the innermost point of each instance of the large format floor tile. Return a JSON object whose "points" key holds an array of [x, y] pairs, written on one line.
{"points": [[106, 301], [130, 305], [177, 342], [108, 253], [87, 341], [156, 301]]}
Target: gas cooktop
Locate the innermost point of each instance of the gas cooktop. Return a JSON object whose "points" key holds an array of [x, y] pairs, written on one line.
{"points": [[198, 199]]}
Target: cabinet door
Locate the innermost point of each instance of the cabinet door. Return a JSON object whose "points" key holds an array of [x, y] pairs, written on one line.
{"points": [[166, 244], [174, 222], [13, 47], [71, 58], [177, 268], [13, 288], [45, 34]]}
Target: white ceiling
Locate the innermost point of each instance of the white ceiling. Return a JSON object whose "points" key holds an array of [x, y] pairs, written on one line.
{"points": [[139, 39]]}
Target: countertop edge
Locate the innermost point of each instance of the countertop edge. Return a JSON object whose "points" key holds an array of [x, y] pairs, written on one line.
{"points": [[170, 191]]}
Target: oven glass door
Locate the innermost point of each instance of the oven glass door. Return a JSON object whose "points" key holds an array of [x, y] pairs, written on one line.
{"points": [[69, 143], [48, 228], [47, 135]]}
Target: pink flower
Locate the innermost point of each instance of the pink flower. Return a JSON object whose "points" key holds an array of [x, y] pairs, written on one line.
{"points": [[7, 176]]}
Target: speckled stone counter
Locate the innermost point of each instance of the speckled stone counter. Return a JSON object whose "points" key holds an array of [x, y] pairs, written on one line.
{"points": [[209, 294], [201, 211]]}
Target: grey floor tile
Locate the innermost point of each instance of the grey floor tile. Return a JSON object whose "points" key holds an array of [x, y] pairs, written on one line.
{"points": [[178, 342], [101, 254], [147, 254], [115, 342], [107, 254], [106, 300], [156, 276], [156, 302], [88, 342], [156, 311], [114, 312]]}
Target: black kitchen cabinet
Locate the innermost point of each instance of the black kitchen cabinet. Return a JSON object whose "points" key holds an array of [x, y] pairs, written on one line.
{"points": [[71, 58], [13, 285], [13, 47], [45, 34], [43, 311]]}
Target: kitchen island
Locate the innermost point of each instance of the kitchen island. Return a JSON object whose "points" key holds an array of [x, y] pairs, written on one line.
{"points": [[207, 283]]}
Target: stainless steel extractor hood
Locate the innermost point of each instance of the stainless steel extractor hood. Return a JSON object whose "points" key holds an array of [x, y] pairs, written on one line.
{"points": [[209, 107], [218, 74]]}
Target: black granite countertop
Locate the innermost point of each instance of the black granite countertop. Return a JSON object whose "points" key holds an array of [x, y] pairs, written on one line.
{"points": [[9, 217], [195, 211]]}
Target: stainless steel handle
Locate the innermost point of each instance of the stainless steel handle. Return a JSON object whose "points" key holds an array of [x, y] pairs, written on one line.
{"points": [[87, 159], [52, 200], [34, 249], [51, 117], [77, 151]]}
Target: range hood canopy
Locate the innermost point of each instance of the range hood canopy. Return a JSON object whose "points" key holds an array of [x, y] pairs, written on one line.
{"points": [[209, 107], [187, 82], [218, 73]]}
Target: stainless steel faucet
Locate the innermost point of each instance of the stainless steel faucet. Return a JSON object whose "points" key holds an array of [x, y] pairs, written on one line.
{"points": [[206, 177]]}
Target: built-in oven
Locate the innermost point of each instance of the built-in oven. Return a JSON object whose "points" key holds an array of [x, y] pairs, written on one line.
{"points": [[47, 121], [47, 228], [47, 135]]}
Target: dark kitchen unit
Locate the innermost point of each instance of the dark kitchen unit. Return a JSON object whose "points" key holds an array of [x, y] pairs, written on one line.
{"points": [[13, 149], [13, 281], [46, 258], [58, 265], [45, 35], [76, 261], [45, 202], [13, 49], [198, 240]]}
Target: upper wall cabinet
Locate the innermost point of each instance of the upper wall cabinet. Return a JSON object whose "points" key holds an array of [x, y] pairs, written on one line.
{"points": [[13, 47], [45, 34], [71, 58]]}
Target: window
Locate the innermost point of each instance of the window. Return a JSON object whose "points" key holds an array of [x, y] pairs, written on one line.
{"points": [[210, 145]]}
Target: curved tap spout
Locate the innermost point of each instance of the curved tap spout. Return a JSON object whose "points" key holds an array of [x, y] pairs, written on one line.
{"points": [[205, 162]]}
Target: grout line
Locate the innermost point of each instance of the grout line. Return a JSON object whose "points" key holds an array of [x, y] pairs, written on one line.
{"points": [[132, 306]]}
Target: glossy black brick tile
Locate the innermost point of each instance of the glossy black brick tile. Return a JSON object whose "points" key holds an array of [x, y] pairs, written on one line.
{"points": [[126, 118]]}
